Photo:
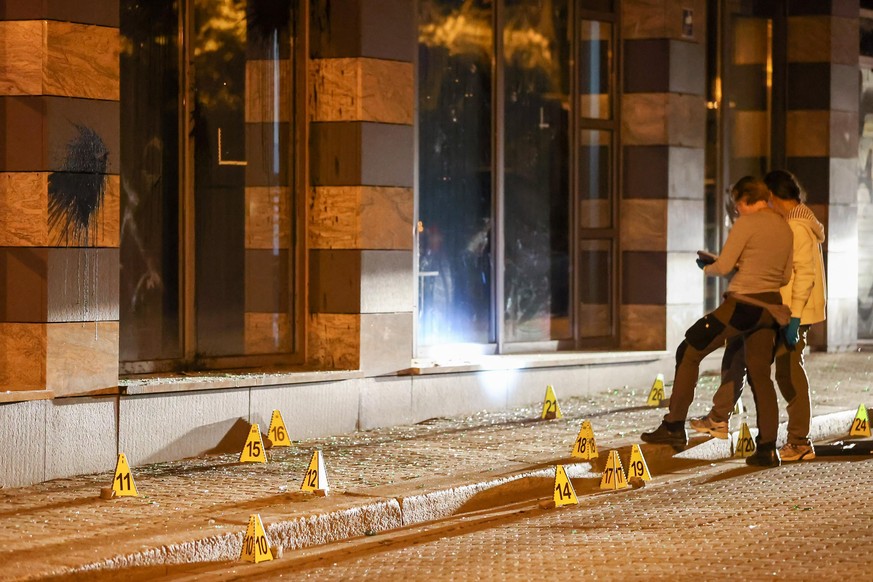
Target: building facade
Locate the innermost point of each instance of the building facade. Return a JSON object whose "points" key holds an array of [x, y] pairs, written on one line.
{"points": [[375, 212]]}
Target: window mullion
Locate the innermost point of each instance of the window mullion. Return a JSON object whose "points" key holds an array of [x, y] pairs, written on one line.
{"points": [[186, 187], [498, 101]]}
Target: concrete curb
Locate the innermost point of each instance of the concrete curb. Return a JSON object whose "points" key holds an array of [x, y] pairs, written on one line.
{"points": [[308, 531], [443, 503], [292, 534], [821, 427], [393, 512]]}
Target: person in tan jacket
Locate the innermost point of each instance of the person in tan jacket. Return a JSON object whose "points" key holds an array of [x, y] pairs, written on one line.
{"points": [[758, 256], [806, 296]]}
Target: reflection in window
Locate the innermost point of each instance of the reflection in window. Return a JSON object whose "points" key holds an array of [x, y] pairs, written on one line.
{"points": [[454, 113], [595, 262], [548, 194], [241, 77], [748, 96], [595, 69], [537, 72], [149, 306], [595, 206], [242, 116], [865, 204]]}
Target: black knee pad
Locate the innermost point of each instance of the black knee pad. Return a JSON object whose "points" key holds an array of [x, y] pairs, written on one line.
{"points": [[680, 351]]}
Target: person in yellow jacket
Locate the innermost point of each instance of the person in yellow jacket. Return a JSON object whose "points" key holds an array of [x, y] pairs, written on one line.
{"points": [[806, 296]]}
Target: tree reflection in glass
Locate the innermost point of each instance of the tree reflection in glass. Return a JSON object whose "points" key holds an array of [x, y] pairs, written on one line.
{"points": [[537, 68]]}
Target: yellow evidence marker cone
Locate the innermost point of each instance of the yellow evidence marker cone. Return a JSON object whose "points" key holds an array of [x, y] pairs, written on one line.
{"points": [[656, 394], [278, 434], [550, 405], [253, 450], [122, 482], [255, 546], [585, 447], [861, 423], [739, 407], [637, 466], [613, 474], [315, 479], [564, 492], [745, 443]]}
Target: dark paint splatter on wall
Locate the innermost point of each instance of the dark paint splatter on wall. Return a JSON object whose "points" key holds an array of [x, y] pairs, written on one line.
{"points": [[76, 193]]}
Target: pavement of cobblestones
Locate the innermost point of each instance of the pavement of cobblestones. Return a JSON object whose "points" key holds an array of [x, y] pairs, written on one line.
{"points": [[197, 509], [805, 521]]}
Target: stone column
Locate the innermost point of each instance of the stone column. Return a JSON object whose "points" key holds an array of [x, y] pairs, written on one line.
{"points": [[59, 197], [821, 147], [362, 157], [663, 139]]}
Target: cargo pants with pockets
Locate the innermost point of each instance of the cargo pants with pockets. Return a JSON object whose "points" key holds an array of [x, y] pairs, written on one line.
{"points": [[732, 319]]}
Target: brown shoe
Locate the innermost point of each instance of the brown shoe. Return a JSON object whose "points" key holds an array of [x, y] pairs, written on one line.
{"points": [[711, 427], [791, 452]]}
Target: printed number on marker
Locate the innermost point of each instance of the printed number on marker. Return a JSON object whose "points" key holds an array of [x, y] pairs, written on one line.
{"points": [[254, 448], [279, 433], [312, 475], [563, 491], [749, 448], [261, 542], [860, 425], [582, 445], [637, 466], [608, 474], [551, 406], [123, 481]]}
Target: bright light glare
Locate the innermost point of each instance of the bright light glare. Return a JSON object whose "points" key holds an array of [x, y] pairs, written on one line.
{"points": [[498, 383]]}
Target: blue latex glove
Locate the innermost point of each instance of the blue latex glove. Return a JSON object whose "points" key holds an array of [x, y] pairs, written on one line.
{"points": [[792, 332], [700, 263]]}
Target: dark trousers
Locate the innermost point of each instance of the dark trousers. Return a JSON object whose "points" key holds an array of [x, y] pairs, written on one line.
{"points": [[733, 377], [732, 319], [790, 378]]}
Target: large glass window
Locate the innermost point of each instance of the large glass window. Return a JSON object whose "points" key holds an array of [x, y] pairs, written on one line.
{"points": [[536, 49], [597, 230], [748, 95], [208, 109], [516, 184], [865, 175], [150, 307], [455, 185], [865, 191], [742, 116], [243, 90]]}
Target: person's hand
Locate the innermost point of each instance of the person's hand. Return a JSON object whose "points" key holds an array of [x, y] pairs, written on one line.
{"points": [[792, 332], [701, 263]]}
